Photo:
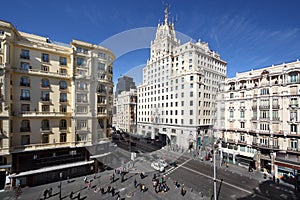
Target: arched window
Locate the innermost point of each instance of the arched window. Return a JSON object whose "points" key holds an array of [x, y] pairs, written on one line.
{"points": [[45, 83], [45, 124], [62, 85], [63, 124]]}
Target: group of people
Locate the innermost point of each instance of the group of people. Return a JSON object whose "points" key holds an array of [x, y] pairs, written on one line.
{"points": [[159, 184], [47, 193]]}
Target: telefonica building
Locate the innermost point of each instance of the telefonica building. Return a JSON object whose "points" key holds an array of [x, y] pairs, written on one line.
{"points": [[177, 98]]}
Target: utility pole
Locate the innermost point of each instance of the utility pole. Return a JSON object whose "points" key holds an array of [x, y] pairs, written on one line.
{"points": [[215, 180]]}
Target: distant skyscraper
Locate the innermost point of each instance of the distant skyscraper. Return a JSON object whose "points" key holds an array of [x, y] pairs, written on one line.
{"points": [[125, 83], [176, 100]]}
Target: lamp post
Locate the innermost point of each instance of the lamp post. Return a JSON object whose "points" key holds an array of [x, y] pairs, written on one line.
{"points": [[60, 177]]}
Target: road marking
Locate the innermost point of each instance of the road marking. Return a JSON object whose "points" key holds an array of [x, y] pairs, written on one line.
{"points": [[174, 168], [229, 184], [247, 191]]}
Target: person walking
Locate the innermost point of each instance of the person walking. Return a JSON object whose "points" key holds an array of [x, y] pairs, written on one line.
{"points": [[45, 193], [89, 185], [71, 195], [135, 183], [183, 190], [113, 177], [118, 197], [50, 192], [112, 191]]}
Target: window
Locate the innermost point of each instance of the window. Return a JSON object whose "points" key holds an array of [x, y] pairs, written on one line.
{"points": [[45, 57], [242, 114], [191, 103], [191, 94], [81, 98], [45, 125], [25, 95], [63, 108], [191, 121], [62, 85], [25, 81], [81, 124], [293, 78], [45, 83], [191, 78], [63, 97], [293, 128], [63, 124], [45, 138], [25, 126], [63, 61], [25, 54], [275, 115], [264, 91], [63, 137], [242, 124], [80, 61], [231, 114], [294, 145], [191, 112], [25, 66], [25, 107], [25, 139], [44, 68], [45, 96], [45, 108], [231, 95], [242, 137], [101, 66], [293, 115]]}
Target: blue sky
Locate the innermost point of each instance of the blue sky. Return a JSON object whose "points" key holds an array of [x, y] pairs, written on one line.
{"points": [[248, 34]]}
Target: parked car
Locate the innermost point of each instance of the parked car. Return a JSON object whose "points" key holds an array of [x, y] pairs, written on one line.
{"points": [[162, 162], [157, 166]]}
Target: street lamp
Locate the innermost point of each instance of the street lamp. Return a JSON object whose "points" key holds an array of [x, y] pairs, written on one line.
{"points": [[60, 176]]}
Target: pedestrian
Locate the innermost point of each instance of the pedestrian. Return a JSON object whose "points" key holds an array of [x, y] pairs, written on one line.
{"points": [[108, 189], [78, 195], [141, 185], [273, 179], [45, 193], [227, 165], [118, 197], [135, 183], [50, 192], [183, 190], [112, 191], [89, 185], [142, 175], [102, 190], [85, 179], [71, 195], [277, 180]]}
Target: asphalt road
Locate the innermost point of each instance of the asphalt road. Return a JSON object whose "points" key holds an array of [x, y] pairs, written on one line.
{"points": [[199, 176]]}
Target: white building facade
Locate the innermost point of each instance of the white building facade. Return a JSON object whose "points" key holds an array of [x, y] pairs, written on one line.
{"points": [[125, 117], [177, 97]]}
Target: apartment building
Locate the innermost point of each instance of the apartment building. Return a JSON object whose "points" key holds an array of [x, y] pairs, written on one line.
{"points": [[258, 119], [177, 97], [56, 105], [126, 111]]}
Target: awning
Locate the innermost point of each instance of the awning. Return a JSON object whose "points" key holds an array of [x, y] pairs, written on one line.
{"points": [[100, 155], [287, 165], [48, 169], [241, 157]]}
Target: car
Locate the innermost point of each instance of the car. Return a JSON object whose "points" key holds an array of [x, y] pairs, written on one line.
{"points": [[157, 166], [162, 162], [174, 164]]}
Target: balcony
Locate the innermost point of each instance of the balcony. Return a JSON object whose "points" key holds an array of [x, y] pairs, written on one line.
{"points": [[275, 106], [41, 114], [24, 98], [40, 72], [263, 107], [63, 100], [25, 129], [27, 57], [24, 84], [63, 128], [293, 105], [292, 149], [242, 142], [101, 91], [45, 99]]}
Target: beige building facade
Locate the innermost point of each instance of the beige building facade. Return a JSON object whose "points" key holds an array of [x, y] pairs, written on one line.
{"points": [[53, 96], [258, 119]]}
